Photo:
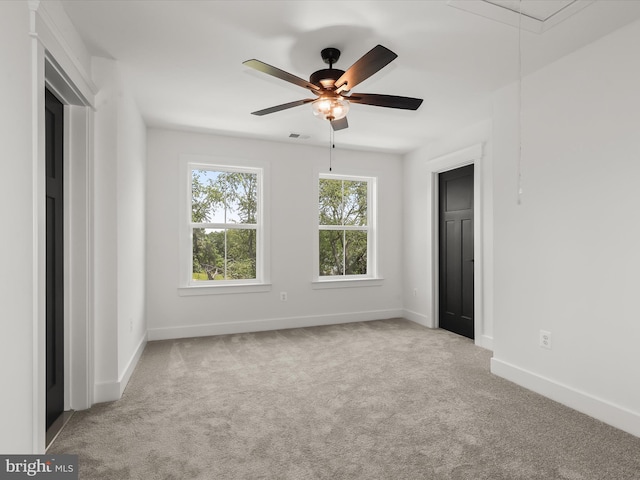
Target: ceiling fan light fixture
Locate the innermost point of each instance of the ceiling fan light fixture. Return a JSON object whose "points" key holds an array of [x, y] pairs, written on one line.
{"points": [[329, 84], [330, 108]]}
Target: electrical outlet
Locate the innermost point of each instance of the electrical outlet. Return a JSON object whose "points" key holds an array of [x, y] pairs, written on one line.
{"points": [[415, 292], [283, 296], [130, 325], [545, 339]]}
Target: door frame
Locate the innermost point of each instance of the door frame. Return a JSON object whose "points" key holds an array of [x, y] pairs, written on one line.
{"points": [[55, 66], [471, 155]]}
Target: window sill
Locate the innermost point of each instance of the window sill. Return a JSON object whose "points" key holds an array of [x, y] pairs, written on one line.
{"points": [[347, 283], [223, 289]]}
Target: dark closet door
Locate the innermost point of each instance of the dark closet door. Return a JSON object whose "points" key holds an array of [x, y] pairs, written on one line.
{"points": [[54, 264], [456, 251]]}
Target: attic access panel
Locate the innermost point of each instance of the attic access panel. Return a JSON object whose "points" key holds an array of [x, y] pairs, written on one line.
{"points": [[540, 10], [537, 16]]}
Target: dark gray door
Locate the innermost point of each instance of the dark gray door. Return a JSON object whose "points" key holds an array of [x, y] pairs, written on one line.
{"points": [[456, 251], [54, 111]]}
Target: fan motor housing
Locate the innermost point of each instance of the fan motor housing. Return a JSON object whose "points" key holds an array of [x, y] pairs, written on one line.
{"points": [[326, 77]]}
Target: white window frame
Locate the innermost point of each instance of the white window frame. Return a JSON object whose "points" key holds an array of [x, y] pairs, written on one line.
{"points": [[188, 286], [371, 278]]}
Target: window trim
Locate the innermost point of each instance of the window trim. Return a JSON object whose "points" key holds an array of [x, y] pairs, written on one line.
{"points": [[372, 278], [186, 285]]}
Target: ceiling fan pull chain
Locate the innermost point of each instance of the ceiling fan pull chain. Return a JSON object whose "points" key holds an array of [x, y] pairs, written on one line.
{"points": [[519, 190], [331, 146]]}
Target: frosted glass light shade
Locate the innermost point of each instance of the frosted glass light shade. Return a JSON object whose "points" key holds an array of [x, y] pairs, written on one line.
{"points": [[330, 108]]}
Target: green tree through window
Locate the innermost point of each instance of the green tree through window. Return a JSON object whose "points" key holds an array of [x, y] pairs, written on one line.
{"points": [[224, 224], [343, 226]]}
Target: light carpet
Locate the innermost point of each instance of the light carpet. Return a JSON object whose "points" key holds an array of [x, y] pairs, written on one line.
{"points": [[373, 400]]}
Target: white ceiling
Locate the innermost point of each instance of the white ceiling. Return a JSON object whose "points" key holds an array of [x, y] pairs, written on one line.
{"points": [[183, 60]]}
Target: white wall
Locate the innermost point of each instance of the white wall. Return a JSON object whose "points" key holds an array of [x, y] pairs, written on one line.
{"points": [[293, 213], [119, 232], [419, 262], [18, 288], [105, 230], [132, 164], [567, 258]]}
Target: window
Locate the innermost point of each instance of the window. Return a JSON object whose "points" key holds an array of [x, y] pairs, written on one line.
{"points": [[225, 225], [345, 227]]}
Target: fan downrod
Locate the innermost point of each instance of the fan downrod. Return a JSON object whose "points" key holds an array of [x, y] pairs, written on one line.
{"points": [[325, 78]]}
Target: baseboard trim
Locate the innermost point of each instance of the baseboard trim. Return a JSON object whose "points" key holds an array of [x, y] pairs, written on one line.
{"points": [[418, 318], [246, 326], [131, 366], [607, 412], [110, 391], [106, 392]]}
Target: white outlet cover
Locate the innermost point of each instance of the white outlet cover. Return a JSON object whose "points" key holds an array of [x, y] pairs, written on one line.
{"points": [[545, 339]]}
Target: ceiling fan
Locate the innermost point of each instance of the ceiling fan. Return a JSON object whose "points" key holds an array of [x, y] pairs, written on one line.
{"points": [[333, 86]]}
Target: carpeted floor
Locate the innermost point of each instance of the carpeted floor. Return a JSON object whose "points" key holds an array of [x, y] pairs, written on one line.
{"points": [[376, 400]]}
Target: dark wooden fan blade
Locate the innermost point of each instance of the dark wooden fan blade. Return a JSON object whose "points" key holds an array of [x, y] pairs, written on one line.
{"points": [[371, 62], [281, 74], [340, 124], [284, 106], [390, 101]]}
